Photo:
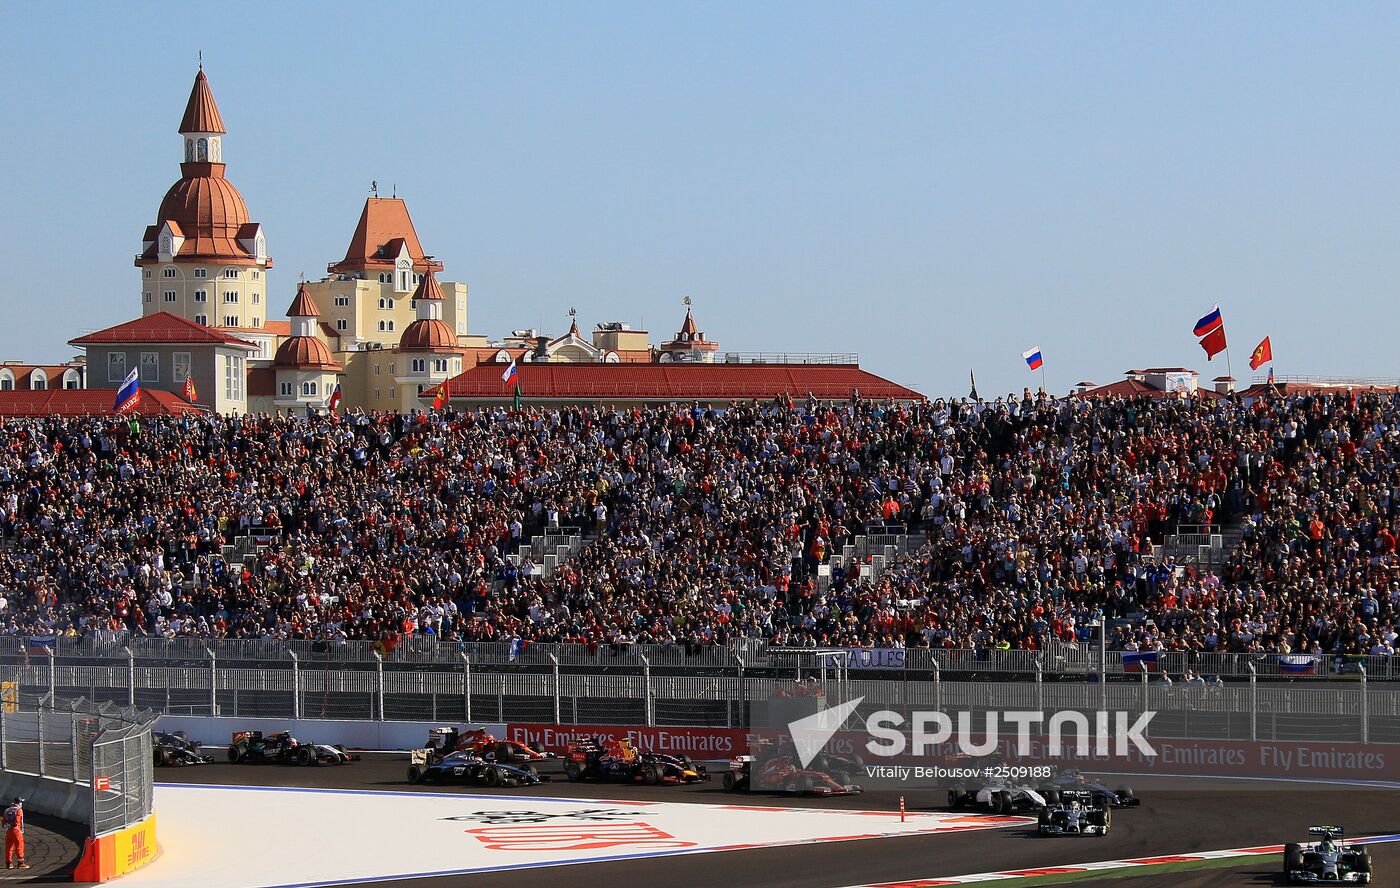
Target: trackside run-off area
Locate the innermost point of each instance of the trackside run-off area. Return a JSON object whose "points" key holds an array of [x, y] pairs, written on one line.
{"points": [[226, 826]]}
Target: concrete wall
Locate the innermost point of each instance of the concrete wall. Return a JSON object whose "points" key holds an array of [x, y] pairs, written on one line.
{"points": [[47, 795], [217, 731]]}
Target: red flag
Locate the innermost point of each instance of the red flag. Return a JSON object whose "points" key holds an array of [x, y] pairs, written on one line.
{"points": [[190, 394], [335, 398], [1213, 342], [1263, 354], [440, 398]]}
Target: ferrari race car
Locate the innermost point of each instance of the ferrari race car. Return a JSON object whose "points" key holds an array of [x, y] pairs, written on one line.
{"points": [[999, 795], [1077, 812], [484, 745], [251, 747], [782, 774], [617, 761], [1074, 779], [175, 750], [1329, 859], [467, 767]]}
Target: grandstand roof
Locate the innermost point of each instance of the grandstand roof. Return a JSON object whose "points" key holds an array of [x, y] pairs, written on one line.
{"points": [[90, 402], [674, 382]]}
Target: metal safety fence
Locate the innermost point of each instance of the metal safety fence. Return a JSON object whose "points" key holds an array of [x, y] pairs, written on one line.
{"points": [[103, 750]]}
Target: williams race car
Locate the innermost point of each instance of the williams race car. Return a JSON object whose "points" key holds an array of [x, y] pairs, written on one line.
{"points": [[466, 767], [617, 761], [251, 747], [997, 794], [1074, 779], [1329, 859], [176, 750], [1077, 812]]}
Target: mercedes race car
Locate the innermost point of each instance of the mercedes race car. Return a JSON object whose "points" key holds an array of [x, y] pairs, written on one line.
{"points": [[999, 795], [617, 761], [467, 767], [1074, 779], [176, 750], [485, 745], [1077, 812], [251, 747], [1329, 859]]}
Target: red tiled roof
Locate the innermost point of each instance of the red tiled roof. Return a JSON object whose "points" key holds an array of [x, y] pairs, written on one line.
{"points": [[428, 288], [160, 328], [24, 373], [305, 353], [201, 113], [90, 402], [303, 306], [1132, 388], [383, 221], [428, 334], [676, 382], [280, 328]]}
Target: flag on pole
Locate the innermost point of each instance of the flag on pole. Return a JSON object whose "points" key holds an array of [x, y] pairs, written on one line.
{"points": [[973, 378], [129, 395], [440, 397], [1211, 322], [517, 396], [1271, 376], [335, 398], [1263, 354], [517, 647], [1214, 342], [1297, 664], [509, 373], [1139, 661], [1033, 358], [189, 391]]}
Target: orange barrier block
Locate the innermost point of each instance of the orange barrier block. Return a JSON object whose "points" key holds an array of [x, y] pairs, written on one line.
{"points": [[116, 854]]}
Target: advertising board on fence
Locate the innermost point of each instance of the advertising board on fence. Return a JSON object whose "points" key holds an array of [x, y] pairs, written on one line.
{"points": [[867, 658], [698, 743]]}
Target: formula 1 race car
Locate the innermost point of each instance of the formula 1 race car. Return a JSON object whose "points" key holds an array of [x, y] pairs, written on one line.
{"points": [[466, 767], [617, 761], [1329, 859], [1074, 779], [485, 745], [176, 750], [999, 795], [1077, 812], [782, 774], [251, 747]]}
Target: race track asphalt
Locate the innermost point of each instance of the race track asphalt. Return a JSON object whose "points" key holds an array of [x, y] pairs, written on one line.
{"points": [[1173, 819]]}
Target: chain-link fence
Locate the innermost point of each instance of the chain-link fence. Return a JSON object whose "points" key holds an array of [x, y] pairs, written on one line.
{"points": [[102, 749]]}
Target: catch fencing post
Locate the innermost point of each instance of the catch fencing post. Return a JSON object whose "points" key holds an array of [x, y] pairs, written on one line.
{"points": [[3, 763], [39, 730], [937, 687], [214, 682], [555, 661], [73, 744], [378, 686], [1144, 688], [296, 683], [1253, 702], [1039, 686], [53, 678], [92, 789], [130, 677], [648, 712], [467, 686], [1365, 706]]}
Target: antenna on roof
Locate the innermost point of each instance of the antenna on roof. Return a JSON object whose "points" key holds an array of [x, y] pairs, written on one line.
{"points": [[201, 60], [396, 189], [374, 187]]}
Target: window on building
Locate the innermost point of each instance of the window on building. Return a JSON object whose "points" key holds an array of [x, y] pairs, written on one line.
{"points": [[230, 320], [391, 304], [376, 369], [169, 295], [342, 300], [391, 368], [413, 304], [377, 394], [286, 389], [257, 275], [230, 296], [199, 272], [342, 324], [70, 379], [145, 272], [201, 295], [202, 319], [180, 362], [391, 326], [150, 367], [440, 365], [148, 295], [403, 280], [421, 389], [233, 378], [38, 382], [257, 298], [257, 322], [381, 326], [308, 389], [456, 365], [168, 272], [7, 383], [416, 365], [116, 366], [231, 272]]}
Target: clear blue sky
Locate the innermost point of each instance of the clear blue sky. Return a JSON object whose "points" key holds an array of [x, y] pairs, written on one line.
{"points": [[934, 186]]}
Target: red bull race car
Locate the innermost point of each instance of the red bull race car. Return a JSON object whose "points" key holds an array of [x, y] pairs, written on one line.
{"points": [[617, 761]]}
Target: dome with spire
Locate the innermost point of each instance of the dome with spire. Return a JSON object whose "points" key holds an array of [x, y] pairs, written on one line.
{"points": [[429, 332], [303, 350]]}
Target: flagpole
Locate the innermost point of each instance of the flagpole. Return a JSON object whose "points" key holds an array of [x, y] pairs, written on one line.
{"points": [[1042, 377]]}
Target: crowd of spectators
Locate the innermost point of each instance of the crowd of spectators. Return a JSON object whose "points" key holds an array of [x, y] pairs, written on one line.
{"points": [[1026, 518]]}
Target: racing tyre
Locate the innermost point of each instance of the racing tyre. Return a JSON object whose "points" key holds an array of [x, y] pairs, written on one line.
{"points": [[1363, 865], [162, 757], [235, 754], [1125, 793], [1292, 857], [1004, 804], [415, 774], [306, 756], [491, 777], [505, 753], [1052, 796], [841, 777], [804, 784], [957, 797], [537, 746], [651, 775], [728, 781], [573, 772]]}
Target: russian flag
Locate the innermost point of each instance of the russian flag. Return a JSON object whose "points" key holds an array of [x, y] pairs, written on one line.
{"points": [[1033, 358], [509, 373], [129, 395], [1139, 661], [1210, 322], [1297, 664], [41, 644], [517, 645]]}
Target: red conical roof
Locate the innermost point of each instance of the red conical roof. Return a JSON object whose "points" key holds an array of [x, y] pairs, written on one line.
{"points": [[201, 112], [428, 287], [689, 325], [303, 306]]}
